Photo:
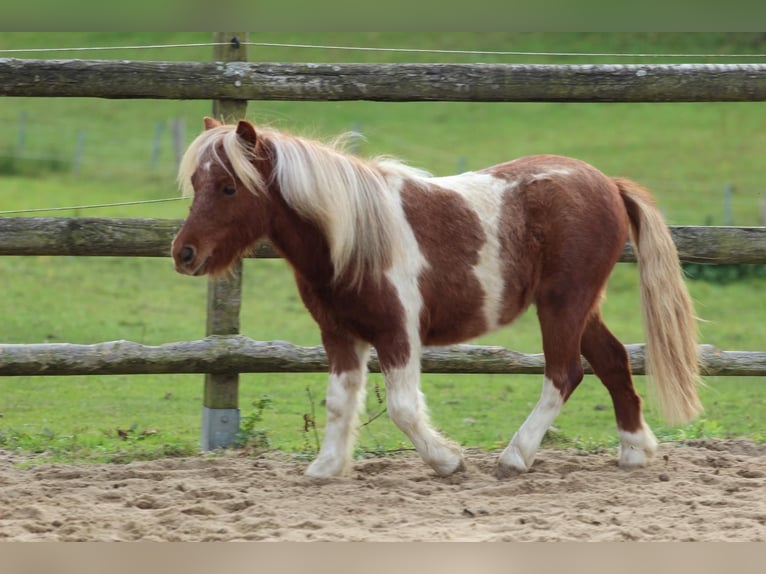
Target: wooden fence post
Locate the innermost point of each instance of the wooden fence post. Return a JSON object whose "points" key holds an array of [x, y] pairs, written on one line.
{"points": [[220, 410]]}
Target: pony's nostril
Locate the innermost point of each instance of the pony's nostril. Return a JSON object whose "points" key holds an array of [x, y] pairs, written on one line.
{"points": [[187, 254]]}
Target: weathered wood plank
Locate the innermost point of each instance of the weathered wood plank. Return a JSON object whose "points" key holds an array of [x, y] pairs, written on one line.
{"points": [[91, 236], [87, 236], [715, 245], [220, 413], [152, 237], [236, 353], [384, 82]]}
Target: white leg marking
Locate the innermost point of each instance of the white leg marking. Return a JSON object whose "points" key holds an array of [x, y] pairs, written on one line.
{"points": [[407, 408], [521, 451], [344, 400], [637, 448], [405, 403]]}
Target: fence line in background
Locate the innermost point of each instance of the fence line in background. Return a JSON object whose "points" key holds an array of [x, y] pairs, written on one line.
{"points": [[383, 49], [223, 354], [384, 82], [142, 237], [91, 206]]}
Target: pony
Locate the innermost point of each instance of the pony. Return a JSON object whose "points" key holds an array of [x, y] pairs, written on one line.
{"points": [[388, 256]]}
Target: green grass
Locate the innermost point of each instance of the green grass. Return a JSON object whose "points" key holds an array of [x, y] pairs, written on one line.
{"points": [[687, 154]]}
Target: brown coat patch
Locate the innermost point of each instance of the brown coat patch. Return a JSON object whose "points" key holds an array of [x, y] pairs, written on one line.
{"points": [[450, 236], [520, 251], [567, 227]]}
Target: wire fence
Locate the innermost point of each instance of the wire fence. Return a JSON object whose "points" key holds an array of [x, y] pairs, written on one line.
{"points": [[714, 196], [90, 206], [390, 50]]}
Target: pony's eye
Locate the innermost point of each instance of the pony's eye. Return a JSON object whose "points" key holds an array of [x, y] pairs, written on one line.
{"points": [[229, 190]]}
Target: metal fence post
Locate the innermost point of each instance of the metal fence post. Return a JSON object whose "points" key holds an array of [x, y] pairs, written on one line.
{"points": [[220, 410]]}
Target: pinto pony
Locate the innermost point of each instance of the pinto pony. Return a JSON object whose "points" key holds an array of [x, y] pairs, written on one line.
{"points": [[387, 256]]}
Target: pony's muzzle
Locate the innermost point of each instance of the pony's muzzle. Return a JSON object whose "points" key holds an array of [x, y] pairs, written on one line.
{"points": [[187, 261]]}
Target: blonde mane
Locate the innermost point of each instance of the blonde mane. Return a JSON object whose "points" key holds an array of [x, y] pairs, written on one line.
{"points": [[354, 201]]}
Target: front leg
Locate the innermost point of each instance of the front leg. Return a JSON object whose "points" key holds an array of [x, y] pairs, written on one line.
{"points": [[407, 408], [345, 397]]}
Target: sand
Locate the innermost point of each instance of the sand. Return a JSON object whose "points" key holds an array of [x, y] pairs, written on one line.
{"points": [[694, 491]]}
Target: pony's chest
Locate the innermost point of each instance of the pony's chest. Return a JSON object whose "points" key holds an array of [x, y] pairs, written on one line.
{"points": [[364, 313]]}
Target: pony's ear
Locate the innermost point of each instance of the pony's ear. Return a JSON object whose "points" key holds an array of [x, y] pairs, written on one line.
{"points": [[246, 132], [211, 123]]}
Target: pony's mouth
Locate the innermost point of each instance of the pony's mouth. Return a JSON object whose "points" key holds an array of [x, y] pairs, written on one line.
{"points": [[200, 269]]}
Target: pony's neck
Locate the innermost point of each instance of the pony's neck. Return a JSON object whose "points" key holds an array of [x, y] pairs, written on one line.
{"points": [[300, 241]]}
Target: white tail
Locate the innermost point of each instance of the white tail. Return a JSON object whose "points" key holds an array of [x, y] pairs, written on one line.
{"points": [[670, 326]]}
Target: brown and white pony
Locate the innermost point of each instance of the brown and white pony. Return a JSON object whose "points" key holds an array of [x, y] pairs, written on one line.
{"points": [[387, 256]]}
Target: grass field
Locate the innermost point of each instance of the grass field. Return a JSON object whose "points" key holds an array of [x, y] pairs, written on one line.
{"points": [[686, 153]]}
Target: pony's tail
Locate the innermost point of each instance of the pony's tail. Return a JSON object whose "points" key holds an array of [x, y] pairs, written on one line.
{"points": [[670, 326]]}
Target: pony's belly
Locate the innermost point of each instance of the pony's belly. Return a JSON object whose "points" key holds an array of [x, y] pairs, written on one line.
{"points": [[460, 329], [456, 331]]}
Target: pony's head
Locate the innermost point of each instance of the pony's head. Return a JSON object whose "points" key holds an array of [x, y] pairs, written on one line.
{"points": [[222, 170]]}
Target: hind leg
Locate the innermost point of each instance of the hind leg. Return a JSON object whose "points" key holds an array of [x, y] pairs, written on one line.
{"points": [[561, 327], [610, 363], [520, 453]]}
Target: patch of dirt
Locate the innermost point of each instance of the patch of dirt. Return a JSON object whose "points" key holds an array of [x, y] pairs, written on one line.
{"points": [[707, 490]]}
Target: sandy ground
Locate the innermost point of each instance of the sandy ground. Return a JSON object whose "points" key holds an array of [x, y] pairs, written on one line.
{"points": [[697, 491]]}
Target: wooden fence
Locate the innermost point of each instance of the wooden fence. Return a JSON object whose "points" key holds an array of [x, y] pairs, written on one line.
{"points": [[230, 82], [225, 353], [385, 82]]}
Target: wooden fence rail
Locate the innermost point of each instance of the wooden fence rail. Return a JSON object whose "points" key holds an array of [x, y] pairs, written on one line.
{"points": [[151, 238], [228, 354], [384, 82], [224, 354]]}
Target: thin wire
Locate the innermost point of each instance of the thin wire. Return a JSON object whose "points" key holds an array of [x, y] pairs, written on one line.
{"points": [[504, 53], [375, 49], [95, 206], [94, 48]]}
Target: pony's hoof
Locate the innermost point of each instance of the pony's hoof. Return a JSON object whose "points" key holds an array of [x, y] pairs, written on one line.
{"points": [[637, 449], [633, 457], [450, 468], [322, 468], [511, 463], [504, 471]]}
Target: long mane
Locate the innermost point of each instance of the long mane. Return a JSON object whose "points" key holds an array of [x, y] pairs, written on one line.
{"points": [[354, 201]]}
